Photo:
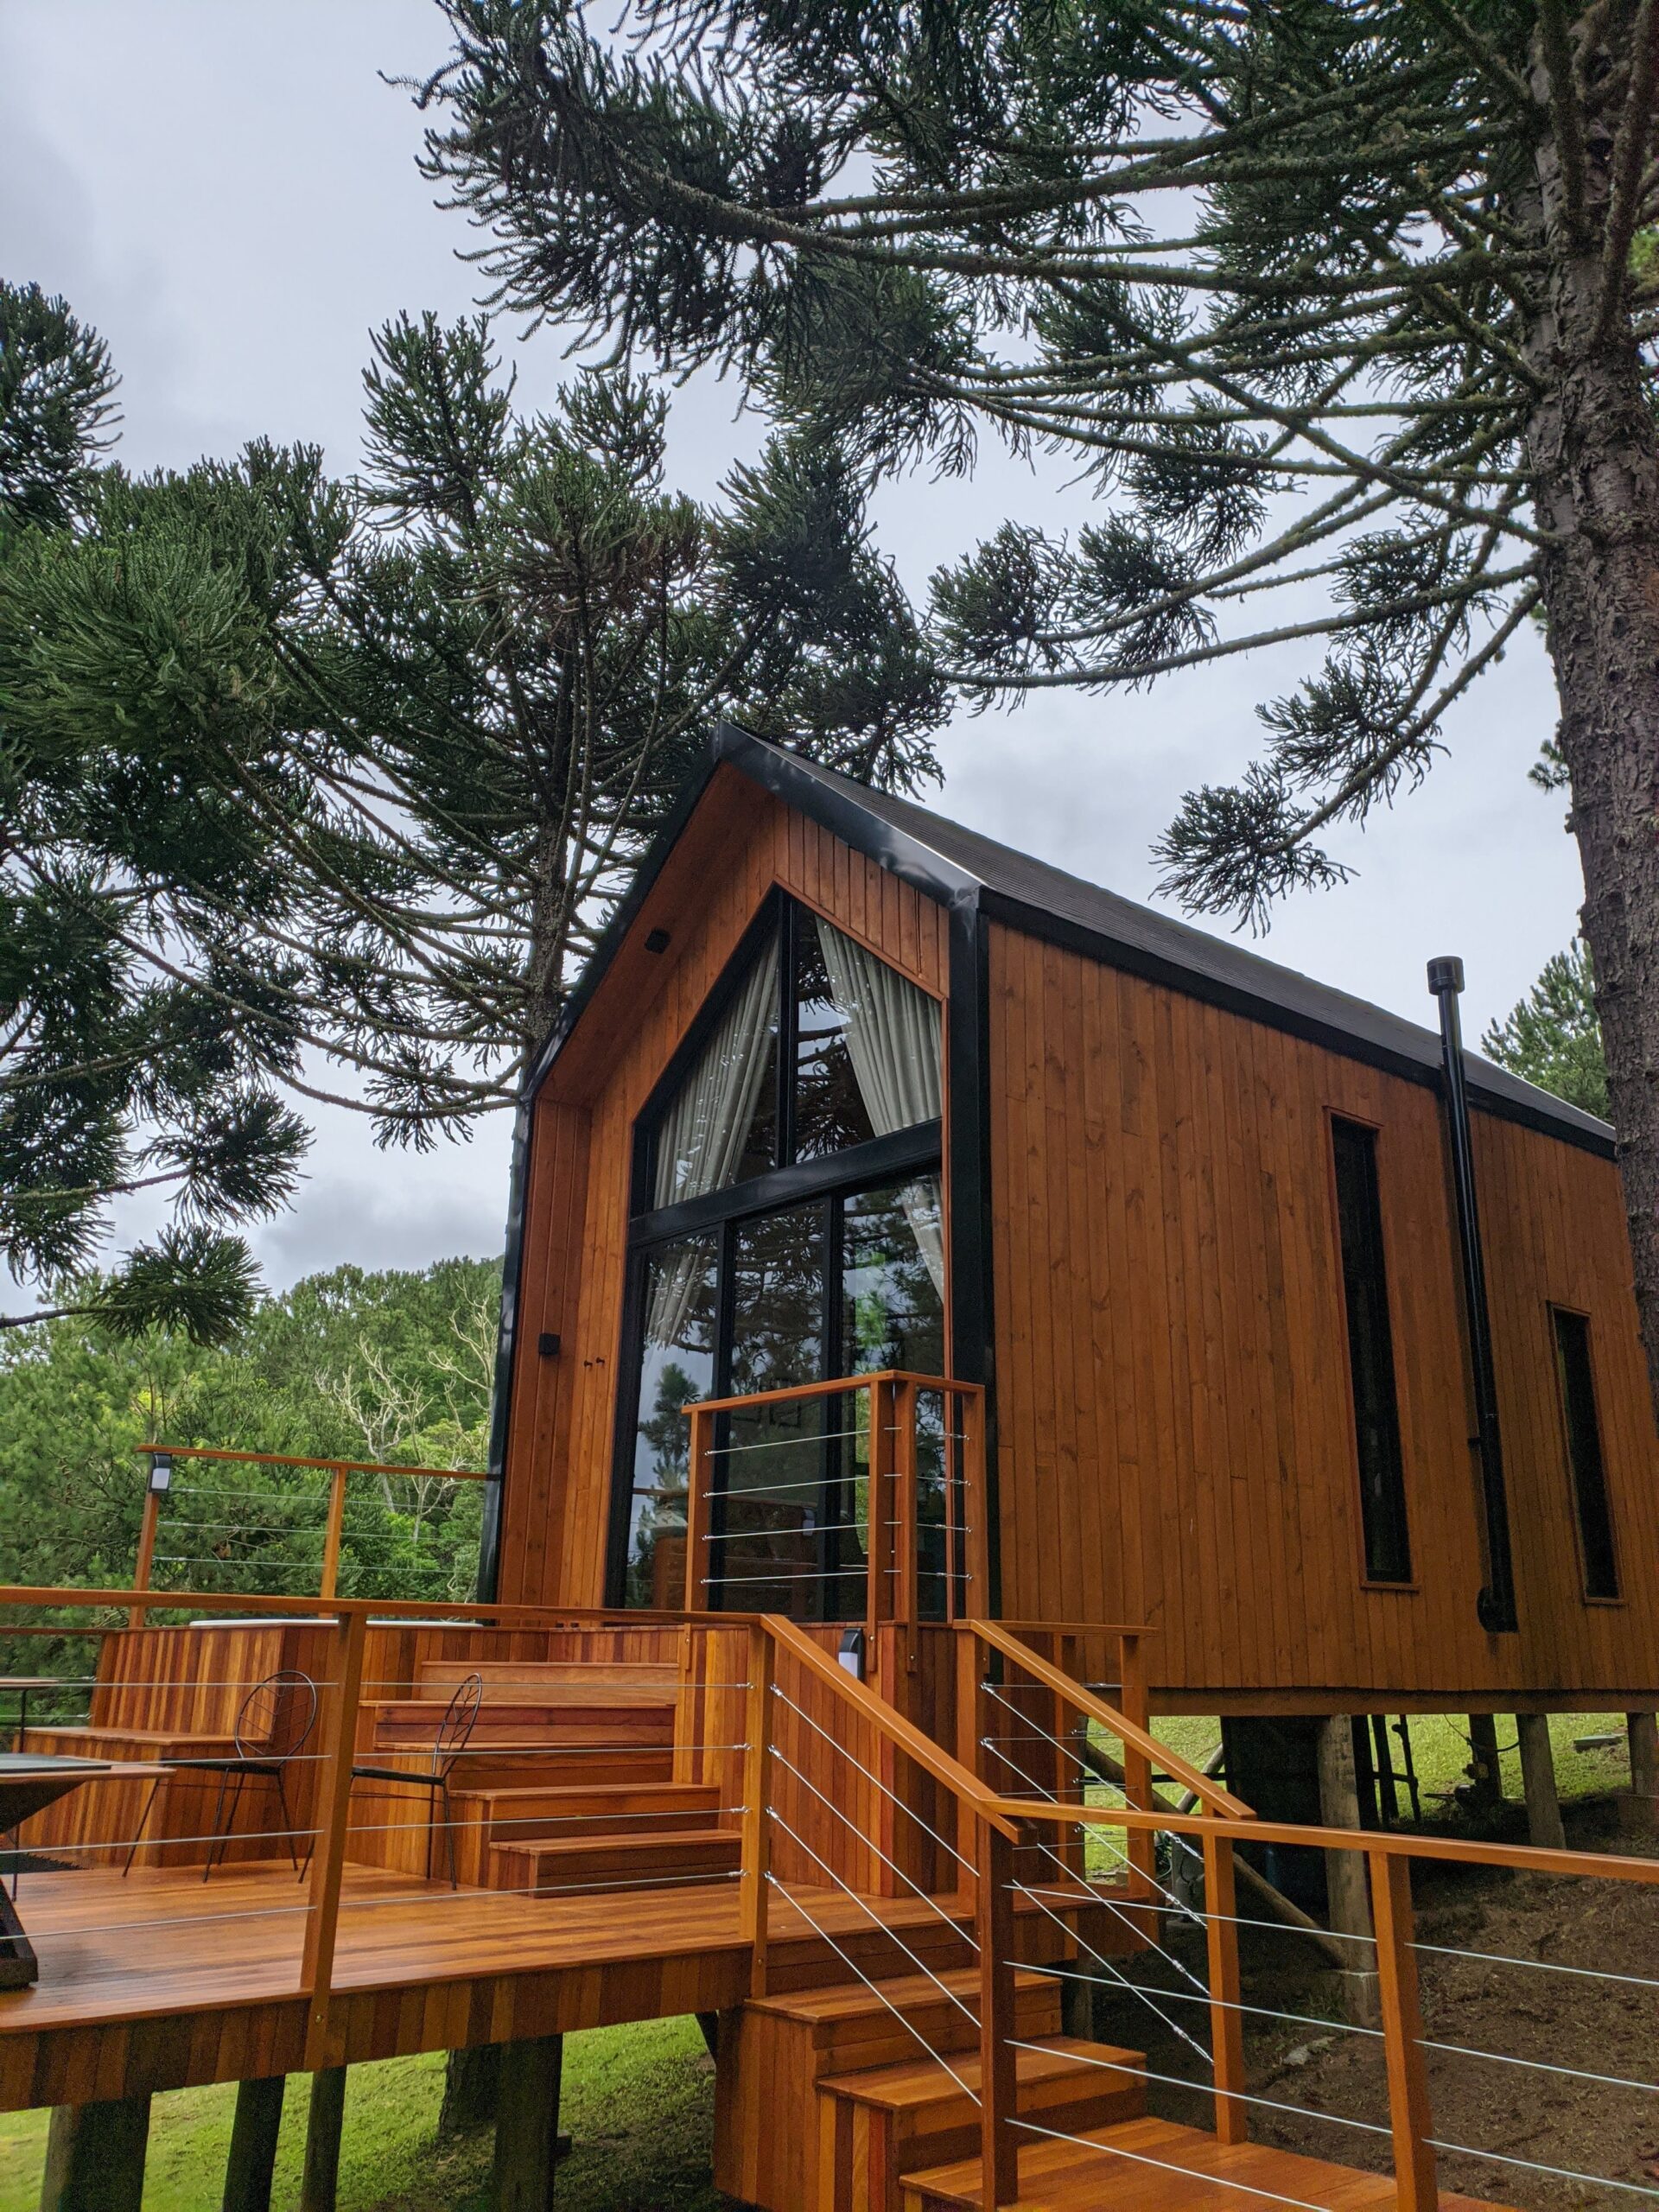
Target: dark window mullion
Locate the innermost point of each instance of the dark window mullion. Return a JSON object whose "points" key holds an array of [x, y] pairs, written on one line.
{"points": [[725, 1316], [832, 1454], [788, 1029]]}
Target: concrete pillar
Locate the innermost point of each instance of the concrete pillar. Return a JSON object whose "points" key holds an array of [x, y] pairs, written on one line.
{"points": [[1348, 1899], [527, 2124], [95, 2156], [1486, 1776], [319, 2189], [1538, 1774], [252, 2161]]}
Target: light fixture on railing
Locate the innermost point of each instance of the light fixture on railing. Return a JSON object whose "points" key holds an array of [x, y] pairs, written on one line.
{"points": [[160, 1472], [851, 1654]]}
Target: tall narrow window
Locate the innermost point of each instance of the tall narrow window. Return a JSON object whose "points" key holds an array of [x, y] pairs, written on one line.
{"points": [[1370, 1355], [1584, 1452]]}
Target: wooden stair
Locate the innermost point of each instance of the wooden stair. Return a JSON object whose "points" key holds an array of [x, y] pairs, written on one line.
{"points": [[879, 2124], [826, 2096], [1153, 2165], [573, 1866]]}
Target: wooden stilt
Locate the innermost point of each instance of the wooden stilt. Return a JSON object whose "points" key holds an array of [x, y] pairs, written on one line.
{"points": [[527, 2124], [1349, 1906], [252, 2165], [1485, 1779], [320, 2188], [1538, 1774], [1639, 1809], [95, 2156]]}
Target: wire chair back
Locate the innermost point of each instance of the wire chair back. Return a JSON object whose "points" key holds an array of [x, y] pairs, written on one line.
{"points": [[454, 1730], [277, 1716]]}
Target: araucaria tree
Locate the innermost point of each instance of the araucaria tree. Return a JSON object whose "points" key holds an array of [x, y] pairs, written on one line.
{"points": [[1348, 306]]}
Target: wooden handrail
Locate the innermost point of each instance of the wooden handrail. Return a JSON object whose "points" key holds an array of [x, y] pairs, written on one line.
{"points": [[898, 1731], [399, 1609], [1055, 1678], [836, 1387], [285, 1459]]}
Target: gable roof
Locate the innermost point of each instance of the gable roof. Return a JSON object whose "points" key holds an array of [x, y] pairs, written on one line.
{"points": [[962, 867]]}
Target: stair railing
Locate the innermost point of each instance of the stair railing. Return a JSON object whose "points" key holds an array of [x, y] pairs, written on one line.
{"points": [[891, 1425]]}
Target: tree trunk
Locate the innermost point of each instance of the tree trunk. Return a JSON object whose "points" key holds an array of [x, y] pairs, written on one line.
{"points": [[1593, 451]]}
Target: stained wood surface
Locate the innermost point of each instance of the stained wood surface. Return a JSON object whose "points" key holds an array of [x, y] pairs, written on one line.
{"points": [[1173, 1416], [739, 843]]}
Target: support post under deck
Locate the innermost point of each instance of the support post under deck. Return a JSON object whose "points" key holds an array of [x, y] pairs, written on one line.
{"points": [[1639, 1812], [320, 2188], [1486, 1778], [1538, 1774], [1348, 1899], [251, 2165], [527, 2124], [95, 2156]]}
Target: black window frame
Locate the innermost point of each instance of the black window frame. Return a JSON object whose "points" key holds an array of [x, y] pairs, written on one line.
{"points": [[1598, 1547], [829, 1179], [1385, 1521]]}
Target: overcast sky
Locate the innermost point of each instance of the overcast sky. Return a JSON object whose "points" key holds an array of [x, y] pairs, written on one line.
{"points": [[226, 188]]}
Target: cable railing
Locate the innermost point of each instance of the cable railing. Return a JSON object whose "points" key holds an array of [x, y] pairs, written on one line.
{"points": [[862, 1498], [295, 1533]]}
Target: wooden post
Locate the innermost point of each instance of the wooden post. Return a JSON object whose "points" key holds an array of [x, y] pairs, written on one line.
{"points": [[252, 2165], [328, 1845], [976, 1536], [965, 1654], [1538, 1777], [755, 1881], [1142, 1845], [699, 1481], [906, 1594], [142, 1565], [1226, 2022], [1349, 1909], [998, 2084], [332, 1534], [1415, 2187], [878, 1603], [95, 2156], [320, 2183], [527, 2124], [1641, 1809], [1486, 1780]]}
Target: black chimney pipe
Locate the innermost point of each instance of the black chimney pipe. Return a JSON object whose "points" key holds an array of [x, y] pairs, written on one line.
{"points": [[1496, 1604]]}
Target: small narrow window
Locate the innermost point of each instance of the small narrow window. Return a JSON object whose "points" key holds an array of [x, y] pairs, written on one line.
{"points": [[1370, 1355], [1584, 1452]]}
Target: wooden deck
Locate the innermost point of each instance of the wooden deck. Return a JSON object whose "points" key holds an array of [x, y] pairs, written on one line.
{"points": [[163, 1980]]}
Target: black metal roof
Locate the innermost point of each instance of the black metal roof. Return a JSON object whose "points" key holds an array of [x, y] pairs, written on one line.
{"points": [[960, 866]]}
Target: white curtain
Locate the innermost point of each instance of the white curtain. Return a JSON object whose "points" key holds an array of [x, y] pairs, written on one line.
{"points": [[702, 1134], [893, 1040]]}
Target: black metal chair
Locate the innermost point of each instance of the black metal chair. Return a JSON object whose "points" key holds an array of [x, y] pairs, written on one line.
{"points": [[454, 1731], [272, 1725]]}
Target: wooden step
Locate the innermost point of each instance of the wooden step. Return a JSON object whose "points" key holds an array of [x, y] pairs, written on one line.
{"points": [[407, 1722], [877, 2125], [521, 1815], [597, 1681], [574, 1865], [850, 2019], [1153, 2165]]}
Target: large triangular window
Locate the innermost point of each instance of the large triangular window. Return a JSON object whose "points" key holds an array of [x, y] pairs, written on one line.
{"points": [[813, 1046]]}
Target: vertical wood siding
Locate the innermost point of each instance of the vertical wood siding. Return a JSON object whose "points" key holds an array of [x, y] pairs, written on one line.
{"points": [[1174, 1423], [739, 843]]}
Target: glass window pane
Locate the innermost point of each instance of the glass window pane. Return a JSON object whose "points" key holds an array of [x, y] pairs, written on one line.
{"points": [[768, 1527], [830, 1109], [1584, 1454], [893, 1316], [677, 1369], [721, 1126], [1370, 1354]]}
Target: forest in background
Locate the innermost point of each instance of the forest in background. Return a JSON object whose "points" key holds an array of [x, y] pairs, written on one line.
{"points": [[391, 1367]]}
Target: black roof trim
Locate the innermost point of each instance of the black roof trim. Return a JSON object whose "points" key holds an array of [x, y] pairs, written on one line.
{"points": [[962, 868]]}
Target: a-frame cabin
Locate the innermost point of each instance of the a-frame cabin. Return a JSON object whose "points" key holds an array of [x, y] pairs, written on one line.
{"points": [[850, 1086]]}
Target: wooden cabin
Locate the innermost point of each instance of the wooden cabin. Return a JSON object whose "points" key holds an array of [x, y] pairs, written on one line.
{"points": [[848, 1087]]}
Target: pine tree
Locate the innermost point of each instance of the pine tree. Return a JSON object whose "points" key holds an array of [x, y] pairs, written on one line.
{"points": [[1552, 1037], [1348, 307], [122, 1066], [307, 771]]}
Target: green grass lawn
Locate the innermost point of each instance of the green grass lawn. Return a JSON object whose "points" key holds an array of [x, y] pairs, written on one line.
{"points": [[639, 2100]]}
